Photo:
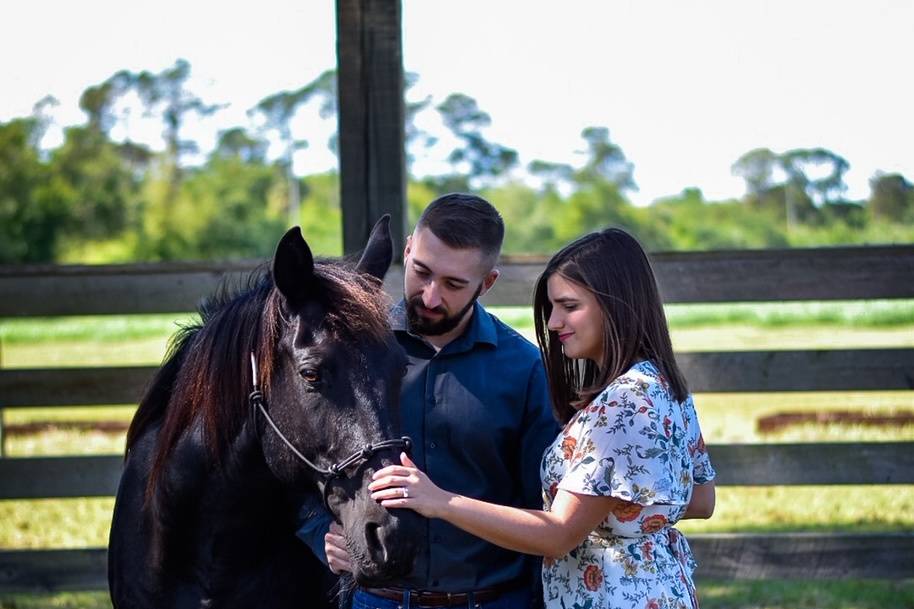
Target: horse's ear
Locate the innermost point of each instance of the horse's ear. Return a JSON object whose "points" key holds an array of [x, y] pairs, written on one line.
{"points": [[379, 252], [293, 266]]}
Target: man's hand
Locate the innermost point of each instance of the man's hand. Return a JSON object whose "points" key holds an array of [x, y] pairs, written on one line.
{"points": [[335, 547]]}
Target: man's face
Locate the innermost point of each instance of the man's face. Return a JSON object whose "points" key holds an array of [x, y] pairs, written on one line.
{"points": [[441, 283]]}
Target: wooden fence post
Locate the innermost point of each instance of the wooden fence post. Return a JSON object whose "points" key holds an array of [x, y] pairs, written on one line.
{"points": [[371, 115]]}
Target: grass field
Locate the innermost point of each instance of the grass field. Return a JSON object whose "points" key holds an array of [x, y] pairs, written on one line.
{"points": [[726, 418]]}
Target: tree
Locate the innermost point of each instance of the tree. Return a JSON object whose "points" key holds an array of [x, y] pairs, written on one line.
{"points": [[277, 112], [98, 101], [756, 167], [891, 197], [98, 187], [800, 164], [804, 181], [324, 89], [167, 92], [483, 159], [238, 143], [32, 217], [412, 134], [605, 161], [552, 175]]}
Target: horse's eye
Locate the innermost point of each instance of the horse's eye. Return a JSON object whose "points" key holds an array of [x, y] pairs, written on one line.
{"points": [[404, 371], [310, 375]]}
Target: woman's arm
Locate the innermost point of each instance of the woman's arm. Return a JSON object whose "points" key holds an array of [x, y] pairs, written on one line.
{"points": [[553, 533], [701, 505]]}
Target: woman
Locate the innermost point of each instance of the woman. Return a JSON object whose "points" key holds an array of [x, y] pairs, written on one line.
{"points": [[628, 464]]}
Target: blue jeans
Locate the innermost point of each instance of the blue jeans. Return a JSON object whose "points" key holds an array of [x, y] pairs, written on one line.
{"points": [[516, 599]]}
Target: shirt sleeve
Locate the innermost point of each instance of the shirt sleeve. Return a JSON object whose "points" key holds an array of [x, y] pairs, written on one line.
{"points": [[538, 432], [702, 470], [620, 446], [314, 522]]}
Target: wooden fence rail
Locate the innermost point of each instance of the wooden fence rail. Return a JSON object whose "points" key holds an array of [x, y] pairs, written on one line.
{"points": [[738, 371], [852, 273], [737, 465], [841, 273]]}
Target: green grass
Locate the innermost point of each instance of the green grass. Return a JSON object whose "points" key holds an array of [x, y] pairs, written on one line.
{"points": [[55, 523], [799, 594], [870, 313], [61, 600], [117, 328], [855, 313], [867, 313], [811, 509]]}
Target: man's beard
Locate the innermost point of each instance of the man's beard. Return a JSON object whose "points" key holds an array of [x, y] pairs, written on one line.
{"points": [[426, 327]]}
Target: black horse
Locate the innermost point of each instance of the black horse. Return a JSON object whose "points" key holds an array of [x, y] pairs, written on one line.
{"points": [[206, 511]]}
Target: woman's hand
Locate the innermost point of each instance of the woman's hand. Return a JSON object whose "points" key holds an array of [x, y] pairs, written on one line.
{"points": [[405, 486]]}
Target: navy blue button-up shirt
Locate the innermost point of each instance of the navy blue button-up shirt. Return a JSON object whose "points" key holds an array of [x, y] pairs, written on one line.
{"points": [[479, 415]]}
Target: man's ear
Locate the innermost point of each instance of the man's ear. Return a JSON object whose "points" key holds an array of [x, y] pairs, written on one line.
{"points": [[408, 247], [489, 280]]}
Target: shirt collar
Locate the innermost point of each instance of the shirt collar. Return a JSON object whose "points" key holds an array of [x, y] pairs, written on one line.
{"points": [[481, 328]]}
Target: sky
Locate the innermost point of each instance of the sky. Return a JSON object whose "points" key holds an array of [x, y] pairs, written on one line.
{"points": [[685, 87]]}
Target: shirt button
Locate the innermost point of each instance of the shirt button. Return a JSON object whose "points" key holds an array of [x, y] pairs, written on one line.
{"points": [[434, 583], [436, 538], [432, 445]]}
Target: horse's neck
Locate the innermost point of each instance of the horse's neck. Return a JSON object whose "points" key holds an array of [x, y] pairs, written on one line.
{"points": [[237, 502]]}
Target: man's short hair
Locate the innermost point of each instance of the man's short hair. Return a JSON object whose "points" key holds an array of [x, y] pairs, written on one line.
{"points": [[464, 221]]}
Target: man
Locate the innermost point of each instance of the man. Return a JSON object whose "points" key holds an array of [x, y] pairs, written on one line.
{"points": [[474, 401]]}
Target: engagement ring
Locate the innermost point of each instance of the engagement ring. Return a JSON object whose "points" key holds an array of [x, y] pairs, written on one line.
{"points": [[405, 493]]}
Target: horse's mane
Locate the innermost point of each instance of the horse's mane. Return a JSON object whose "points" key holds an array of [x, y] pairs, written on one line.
{"points": [[206, 375]]}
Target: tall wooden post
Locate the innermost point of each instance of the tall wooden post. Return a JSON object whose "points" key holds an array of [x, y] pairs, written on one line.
{"points": [[371, 113]]}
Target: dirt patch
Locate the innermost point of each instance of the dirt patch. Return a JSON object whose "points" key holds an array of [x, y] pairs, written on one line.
{"points": [[782, 420]]}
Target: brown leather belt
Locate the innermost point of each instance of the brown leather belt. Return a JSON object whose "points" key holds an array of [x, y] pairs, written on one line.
{"points": [[428, 598]]}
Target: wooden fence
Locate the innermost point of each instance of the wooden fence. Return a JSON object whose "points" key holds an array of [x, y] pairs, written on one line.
{"points": [[732, 276]]}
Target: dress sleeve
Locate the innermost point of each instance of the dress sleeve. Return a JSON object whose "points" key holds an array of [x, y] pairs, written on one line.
{"points": [[620, 446], [702, 470]]}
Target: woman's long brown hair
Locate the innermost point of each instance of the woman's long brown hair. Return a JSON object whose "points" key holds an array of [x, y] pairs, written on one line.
{"points": [[612, 265]]}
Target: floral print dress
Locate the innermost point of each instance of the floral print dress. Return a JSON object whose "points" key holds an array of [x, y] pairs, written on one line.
{"points": [[634, 442]]}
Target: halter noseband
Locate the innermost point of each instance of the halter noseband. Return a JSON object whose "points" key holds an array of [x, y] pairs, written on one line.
{"points": [[336, 470]]}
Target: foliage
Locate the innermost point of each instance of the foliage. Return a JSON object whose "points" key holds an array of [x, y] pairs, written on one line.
{"points": [[99, 199], [30, 214]]}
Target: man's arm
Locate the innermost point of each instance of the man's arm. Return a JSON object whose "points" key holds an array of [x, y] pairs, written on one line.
{"points": [[539, 430], [314, 521]]}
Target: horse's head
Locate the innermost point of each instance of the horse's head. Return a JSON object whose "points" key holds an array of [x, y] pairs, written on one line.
{"points": [[333, 389]]}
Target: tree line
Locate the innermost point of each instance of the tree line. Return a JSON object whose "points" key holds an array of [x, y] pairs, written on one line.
{"points": [[99, 198]]}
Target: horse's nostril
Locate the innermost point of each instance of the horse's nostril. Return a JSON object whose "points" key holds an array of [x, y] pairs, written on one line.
{"points": [[373, 541]]}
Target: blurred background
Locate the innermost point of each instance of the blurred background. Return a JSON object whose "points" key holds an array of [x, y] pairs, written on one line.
{"points": [[201, 131], [179, 131]]}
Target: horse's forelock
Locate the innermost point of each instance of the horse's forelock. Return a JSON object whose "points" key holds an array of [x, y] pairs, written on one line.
{"points": [[356, 306]]}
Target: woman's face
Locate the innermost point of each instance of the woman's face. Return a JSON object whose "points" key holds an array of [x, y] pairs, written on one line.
{"points": [[576, 319]]}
